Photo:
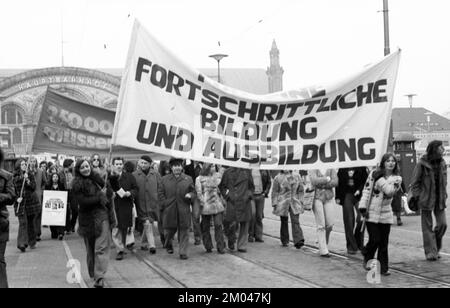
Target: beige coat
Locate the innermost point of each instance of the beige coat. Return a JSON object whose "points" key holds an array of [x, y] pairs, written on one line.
{"points": [[377, 198], [323, 187], [208, 194], [287, 193]]}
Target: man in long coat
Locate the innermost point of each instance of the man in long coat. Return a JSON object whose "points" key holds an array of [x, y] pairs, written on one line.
{"points": [[126, 189], [176, 194], [237, 188], [147, 204]]}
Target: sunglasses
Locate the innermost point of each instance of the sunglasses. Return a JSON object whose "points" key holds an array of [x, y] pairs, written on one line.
{"points": [[95, 159]]}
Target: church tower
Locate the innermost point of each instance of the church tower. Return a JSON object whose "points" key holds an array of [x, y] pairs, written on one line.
{"points": [[275, 71]]}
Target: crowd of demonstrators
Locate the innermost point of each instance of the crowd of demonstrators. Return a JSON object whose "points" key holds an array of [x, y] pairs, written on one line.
{"points": [[375, 205], [173, 196], [287, 195], [348, 194], [429, 189], [324, 182], [7, 197]]}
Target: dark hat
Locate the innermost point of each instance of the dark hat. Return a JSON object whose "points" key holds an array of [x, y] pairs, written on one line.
{"points": [[147, 158], [175, 161]]}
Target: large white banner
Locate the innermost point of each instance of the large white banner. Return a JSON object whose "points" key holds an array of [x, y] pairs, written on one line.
{"points": [[169, 108], [54, 207]]}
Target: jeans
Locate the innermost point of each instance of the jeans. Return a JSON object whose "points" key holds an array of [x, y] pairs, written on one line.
{"points": [[256, 224], [323, 214], [3, 276], [297, 232], [148, 239], [378, 240], [195, 216], [232, 228], [27, 231], [432, 239], [183, 237], [352, 223], [218, 231], [98, 251]]}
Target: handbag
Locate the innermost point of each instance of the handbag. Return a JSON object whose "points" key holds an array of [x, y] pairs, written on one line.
{"points": [[413, 204]]}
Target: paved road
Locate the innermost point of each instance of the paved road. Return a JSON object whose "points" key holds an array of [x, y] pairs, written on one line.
{"points": [[265, 265]]}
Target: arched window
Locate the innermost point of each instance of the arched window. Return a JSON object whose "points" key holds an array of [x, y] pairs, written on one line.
{"points": [[11, 115], [17, 136]]}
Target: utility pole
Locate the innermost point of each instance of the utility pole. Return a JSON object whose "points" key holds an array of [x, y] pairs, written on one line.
{"points": [[387, 49]]}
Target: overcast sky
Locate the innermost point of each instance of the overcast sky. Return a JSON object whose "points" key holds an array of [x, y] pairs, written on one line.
{"points": [[319, 40]]}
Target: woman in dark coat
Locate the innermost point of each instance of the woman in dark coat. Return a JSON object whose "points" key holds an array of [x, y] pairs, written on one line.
{"points": [[94, 200], [27, 206], [429, 189], [55, 184]]}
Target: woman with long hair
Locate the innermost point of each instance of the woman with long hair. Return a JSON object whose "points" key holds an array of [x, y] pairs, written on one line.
{"points": [[55, 184], [375, 206], [429, 189], [94, 200], [27, 206]]}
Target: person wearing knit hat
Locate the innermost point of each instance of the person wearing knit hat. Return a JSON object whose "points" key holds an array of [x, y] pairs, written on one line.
{"points": [[147, 159]]}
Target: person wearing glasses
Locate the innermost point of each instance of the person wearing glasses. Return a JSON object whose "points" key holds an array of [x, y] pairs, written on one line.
{"points": [[97, 165]]}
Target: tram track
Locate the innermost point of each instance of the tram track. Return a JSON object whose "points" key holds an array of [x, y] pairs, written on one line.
{"points": [[393, 269]]}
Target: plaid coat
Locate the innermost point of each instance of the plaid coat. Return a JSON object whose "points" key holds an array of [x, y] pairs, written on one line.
{"points": [[30, 204]]}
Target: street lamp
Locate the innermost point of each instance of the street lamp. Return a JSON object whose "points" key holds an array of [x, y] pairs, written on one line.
{"points": [[218, 57]]}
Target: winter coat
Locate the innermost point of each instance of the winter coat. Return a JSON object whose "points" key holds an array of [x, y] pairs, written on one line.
{"points": [[41, 181], [423, 185], [359, 179], [147, 202], [94, 206], [323, 188], [237, 188], [208, 194], [287, 193], [175, 206], [124, 206], [377, 198], [7, 197], [397, 200], [30, 204]]}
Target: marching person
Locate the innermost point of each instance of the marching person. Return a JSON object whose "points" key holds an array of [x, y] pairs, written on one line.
{"points": [[176, 194], [41, 180], [189, 170], [57, 232], [348, 193], [7, 196], [375, 205], [147, 203], [287, 194], [97, 165], [429, 189], [262, 182], [323, 182], [125, 187], [397, 203], [94, 200], [237, 189], [212, 207], [27, 206], [66, 176]]}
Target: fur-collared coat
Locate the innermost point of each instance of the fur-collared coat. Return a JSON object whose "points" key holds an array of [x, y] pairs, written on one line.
{"points": [[287, 194]]}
